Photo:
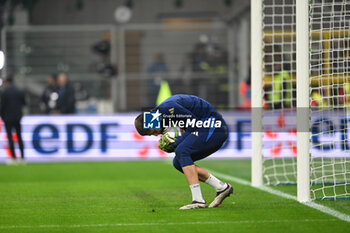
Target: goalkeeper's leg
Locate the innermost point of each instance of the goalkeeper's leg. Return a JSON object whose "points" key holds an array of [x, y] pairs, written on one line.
{"points": [[196, 147], [194, 173], [184, 163], [223, 189]]}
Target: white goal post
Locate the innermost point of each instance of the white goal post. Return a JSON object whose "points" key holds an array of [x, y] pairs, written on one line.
{"points": [[302, 74], [256, 86]]}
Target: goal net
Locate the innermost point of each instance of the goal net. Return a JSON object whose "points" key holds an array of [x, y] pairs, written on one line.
{"points": [[329, 96], [329, 62], [279, 72]]}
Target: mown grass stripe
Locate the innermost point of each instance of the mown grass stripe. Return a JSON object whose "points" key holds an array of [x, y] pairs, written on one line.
{"points": [[166, 223], [314, 205]]}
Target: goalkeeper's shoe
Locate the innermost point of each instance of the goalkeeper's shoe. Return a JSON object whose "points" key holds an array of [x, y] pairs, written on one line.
{"points": [[194, 205], [220, 196]]}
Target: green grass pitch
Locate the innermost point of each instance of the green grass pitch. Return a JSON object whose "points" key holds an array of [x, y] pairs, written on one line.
{"points": [[145, 197]]}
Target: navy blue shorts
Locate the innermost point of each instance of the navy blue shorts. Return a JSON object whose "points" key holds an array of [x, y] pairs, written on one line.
{"points": [[197, 146]]}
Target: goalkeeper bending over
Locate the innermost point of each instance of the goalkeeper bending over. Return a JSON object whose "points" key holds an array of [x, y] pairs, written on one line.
{"points": [[195, 144]]}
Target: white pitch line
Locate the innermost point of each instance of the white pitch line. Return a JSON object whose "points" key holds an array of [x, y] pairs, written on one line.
{"points": [[166, 223], [314, 205]]}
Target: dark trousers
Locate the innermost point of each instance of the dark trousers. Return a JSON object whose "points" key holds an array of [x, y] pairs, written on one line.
{"points": [[10, 126], [197, 146]]}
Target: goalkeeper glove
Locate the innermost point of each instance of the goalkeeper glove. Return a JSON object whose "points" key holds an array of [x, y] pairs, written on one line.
{"points": [[166, 144]]}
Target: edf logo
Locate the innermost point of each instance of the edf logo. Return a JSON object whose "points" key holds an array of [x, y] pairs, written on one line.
{"points": [[151, 120]]}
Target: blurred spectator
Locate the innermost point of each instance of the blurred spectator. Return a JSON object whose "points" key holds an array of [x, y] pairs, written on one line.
{"points": [[158, 65], [12, 102], [216, 62], [208, 57], [318, 100], [199, 56], [281, 93], [345, 95], [245, 92], [102, 48], [66, 96], [157, 71], [50, 94]]}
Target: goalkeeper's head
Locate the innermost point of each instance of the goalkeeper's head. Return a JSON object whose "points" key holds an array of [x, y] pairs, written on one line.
{"points": [[145, 132]]}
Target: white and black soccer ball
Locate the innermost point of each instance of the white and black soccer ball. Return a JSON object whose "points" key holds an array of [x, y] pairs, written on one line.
{"points": [[173, 132]]}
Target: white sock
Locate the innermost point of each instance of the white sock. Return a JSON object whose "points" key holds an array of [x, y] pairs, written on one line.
{"points": [[217, 184], [196, 193]]}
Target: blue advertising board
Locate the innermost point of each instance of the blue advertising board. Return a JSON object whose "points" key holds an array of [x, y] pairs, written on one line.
{"points": [[67, 138]]}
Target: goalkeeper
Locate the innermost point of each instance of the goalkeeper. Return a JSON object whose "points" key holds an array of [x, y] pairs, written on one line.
{"points": [[196, 143]]}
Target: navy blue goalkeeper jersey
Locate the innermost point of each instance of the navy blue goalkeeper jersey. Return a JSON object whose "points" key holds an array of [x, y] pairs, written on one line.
{"points": [[184, 107], [199, 140], [188, 105]]}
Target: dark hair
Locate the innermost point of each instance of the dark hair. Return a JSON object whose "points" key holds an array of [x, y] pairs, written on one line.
{"points": [[54, 76], [9, 79], [139, 125]]}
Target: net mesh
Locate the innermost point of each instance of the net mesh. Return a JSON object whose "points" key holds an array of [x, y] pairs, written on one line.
{"points": [[329, 97], [329, 60], [279, 68]]}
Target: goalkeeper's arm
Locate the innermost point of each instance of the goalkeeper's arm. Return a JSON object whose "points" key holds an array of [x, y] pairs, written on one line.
{"points": [[166, 143]]}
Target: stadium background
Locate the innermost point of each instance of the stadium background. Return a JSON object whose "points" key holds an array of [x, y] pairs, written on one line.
{"points": [[117, 68]]}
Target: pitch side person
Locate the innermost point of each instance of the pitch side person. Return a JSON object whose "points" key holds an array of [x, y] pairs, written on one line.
{"points": [[12, 102]]}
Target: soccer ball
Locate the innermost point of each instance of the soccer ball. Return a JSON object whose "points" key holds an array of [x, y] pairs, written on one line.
{"points": [[173, 132]]}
